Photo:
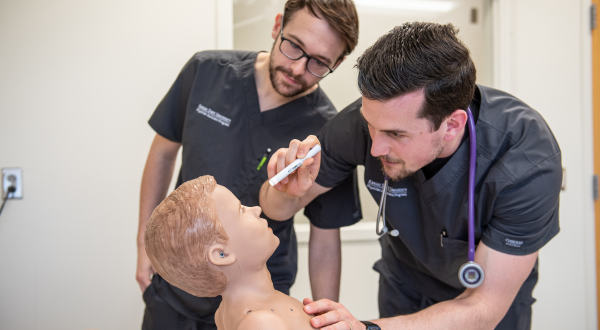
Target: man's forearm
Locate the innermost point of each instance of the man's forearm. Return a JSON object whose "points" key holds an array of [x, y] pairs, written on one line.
{"points": [[155, 180], [325, 263]]}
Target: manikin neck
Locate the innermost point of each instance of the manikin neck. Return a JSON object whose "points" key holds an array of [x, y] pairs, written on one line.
{"points": [[246, 285]]}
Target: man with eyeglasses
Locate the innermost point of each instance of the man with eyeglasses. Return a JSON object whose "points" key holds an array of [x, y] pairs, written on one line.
{"points": [[228, 109]]}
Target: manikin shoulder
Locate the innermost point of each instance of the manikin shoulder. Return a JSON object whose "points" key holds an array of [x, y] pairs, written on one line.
{"points": [[263, 320]]}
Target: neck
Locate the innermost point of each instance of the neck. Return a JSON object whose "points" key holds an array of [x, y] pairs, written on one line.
{"points": [[268, 97], [246, 285]]}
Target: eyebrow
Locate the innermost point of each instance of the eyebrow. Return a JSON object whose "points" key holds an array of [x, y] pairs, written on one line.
{"points": [[321, 57], [391, 131]]}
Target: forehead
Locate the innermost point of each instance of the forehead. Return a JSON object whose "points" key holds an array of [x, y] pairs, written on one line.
{"points": [[226, 203], [316, 35], [399, 113]]}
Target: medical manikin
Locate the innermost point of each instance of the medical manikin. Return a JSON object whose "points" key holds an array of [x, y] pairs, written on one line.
{"points": [[203, 241]]}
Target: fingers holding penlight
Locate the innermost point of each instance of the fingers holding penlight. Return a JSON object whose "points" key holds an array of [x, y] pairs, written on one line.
{"points": [[292, 153], [282, 163], [292, 173], [306, 145]]}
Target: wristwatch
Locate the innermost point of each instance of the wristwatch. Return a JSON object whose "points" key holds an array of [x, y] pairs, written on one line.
{"points": [[371, 325]]}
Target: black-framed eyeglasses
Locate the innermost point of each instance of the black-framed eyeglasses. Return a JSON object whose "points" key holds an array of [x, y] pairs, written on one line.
{"points": [[294, 52]]}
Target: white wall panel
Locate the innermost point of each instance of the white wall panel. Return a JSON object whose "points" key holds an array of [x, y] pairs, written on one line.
{"points": [[78, 82]]}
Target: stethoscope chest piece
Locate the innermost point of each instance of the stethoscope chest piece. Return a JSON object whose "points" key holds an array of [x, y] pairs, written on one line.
{"points": [[471, 275]]}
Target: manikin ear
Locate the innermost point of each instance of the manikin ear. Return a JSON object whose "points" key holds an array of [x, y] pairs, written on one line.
{"points": [[277, 26], [218, 257], [455, 124]]}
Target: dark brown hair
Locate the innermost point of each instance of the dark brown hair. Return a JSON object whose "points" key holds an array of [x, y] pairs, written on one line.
{"points": [[416, 56], [340, 15], [179, 233]]}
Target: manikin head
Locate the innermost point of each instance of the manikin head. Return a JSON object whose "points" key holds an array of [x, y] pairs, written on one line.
{"points": [[326, 30], [199, 230], [416, 82]]}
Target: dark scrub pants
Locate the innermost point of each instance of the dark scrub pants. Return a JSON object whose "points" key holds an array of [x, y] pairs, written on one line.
{"points": [[212, 109], [518, 178]]}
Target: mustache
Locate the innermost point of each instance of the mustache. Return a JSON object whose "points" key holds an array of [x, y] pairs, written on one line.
{"points": [[290, 74], [389, 159]]}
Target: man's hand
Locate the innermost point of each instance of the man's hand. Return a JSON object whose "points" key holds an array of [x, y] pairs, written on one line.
{"points": [[296, 184], [144, 269], [331, 315]]}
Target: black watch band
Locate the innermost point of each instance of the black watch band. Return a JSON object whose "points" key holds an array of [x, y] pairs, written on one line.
{"points": [[371, 325]]}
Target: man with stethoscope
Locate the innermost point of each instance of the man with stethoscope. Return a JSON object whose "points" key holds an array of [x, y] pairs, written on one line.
{"points": [[460, 164]]}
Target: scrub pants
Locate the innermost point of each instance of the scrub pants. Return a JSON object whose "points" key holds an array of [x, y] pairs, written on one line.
{"points": [[396, 298]]}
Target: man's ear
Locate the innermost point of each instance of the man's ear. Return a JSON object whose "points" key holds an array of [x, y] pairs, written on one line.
{"points": [[218, 257], [277, 26], [338, 63], [455, 124]]}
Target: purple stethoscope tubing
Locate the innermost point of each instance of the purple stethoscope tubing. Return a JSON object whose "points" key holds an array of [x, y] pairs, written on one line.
{"points": [[472, 165]]}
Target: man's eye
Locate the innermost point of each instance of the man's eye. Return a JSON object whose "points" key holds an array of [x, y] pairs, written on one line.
{"points": [[294, 45], [396, 135], [320, 64]]}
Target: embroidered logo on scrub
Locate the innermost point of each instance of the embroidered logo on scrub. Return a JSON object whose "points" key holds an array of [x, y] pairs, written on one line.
{"points": [[391, 192], [513, 243], [211, 114]]}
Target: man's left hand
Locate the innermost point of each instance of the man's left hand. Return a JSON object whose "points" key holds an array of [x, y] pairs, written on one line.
{"points": [[331, 315]]}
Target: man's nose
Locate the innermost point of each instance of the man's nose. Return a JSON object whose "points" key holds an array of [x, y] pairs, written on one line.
{"points": [[299, 66], [380, 146]]}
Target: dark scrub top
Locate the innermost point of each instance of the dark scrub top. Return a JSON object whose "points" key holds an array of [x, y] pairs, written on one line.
{"points": [[213, 110], [518, 180]]}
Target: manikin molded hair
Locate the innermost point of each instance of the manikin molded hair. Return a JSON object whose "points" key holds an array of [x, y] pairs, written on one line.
{"points": [[179, 233], [416, 56]]}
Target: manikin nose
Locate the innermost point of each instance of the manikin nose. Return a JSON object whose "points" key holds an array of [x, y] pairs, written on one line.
{"points": [[256, 210]]}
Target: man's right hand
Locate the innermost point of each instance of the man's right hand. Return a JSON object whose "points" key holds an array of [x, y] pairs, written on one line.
{"points": [[296, 184], [144, 270]]}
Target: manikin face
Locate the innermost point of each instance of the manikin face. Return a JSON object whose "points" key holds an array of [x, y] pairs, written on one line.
{"points": [[250, 237], [403, 142], [316, 38]]}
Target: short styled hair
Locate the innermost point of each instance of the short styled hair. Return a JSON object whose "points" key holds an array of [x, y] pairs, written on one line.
{"points": [[416, 56], [341, 15], [179, 233]]}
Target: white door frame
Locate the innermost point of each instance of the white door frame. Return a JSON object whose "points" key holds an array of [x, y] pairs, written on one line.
{"points": [[504, 30]]}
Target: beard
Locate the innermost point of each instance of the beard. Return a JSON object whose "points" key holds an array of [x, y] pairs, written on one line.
{"points": [[395, 174], [281, 86], [403, 172]]}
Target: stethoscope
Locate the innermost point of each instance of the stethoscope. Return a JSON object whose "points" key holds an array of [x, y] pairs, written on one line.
{"points": [[470, 275]]}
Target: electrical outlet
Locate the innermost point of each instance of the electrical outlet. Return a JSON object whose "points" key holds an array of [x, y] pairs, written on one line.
{"points": [[11, 176]]}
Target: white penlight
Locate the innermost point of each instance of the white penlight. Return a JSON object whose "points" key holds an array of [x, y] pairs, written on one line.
{"points": [[414, 5]]}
